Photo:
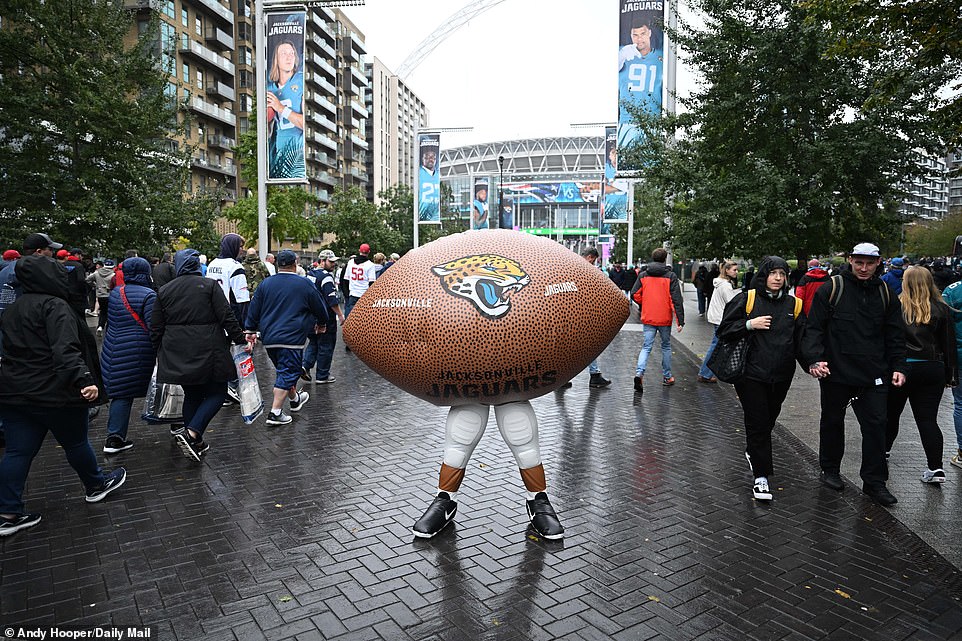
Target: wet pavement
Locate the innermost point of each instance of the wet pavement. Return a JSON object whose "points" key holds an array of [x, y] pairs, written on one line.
{"points": [[303, 531]]}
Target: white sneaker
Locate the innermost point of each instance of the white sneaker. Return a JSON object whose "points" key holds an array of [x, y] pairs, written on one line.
{"points": [[933, 476], [761, 491], [278, 418], [298, 403]]}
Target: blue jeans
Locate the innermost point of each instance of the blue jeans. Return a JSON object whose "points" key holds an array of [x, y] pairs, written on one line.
{"points": [[201, 404], [703, 371], [593, 368], [320, 352], [702, 301], [119, 417], [349, 305], [957, 414], [26, 427], [650, 331]]}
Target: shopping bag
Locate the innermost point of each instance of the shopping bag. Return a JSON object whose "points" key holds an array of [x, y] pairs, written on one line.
{"points": [[164, 402], [728, 360], [251, 402]]}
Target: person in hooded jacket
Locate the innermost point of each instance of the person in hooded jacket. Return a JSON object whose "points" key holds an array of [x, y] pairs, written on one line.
{"points": [[192, 331], [127, 357], [815, 277], [893, 277], [724, 286], [658, 293], [775, 333], [230, 275], [101, 278], [49, 378]]}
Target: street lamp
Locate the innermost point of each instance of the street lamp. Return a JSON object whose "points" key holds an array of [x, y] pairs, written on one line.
{"points": [[500, 192]]}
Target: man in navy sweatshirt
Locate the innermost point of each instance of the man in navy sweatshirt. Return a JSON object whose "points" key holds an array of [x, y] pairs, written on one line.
{"points": [[286, 309]]}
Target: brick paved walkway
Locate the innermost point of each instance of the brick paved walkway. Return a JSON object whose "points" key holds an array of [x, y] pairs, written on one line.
{"points": [[303, 531]]}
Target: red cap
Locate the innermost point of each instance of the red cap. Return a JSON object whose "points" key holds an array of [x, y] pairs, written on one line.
{"points": [[63, 253], [364, 249], [11, 254]]}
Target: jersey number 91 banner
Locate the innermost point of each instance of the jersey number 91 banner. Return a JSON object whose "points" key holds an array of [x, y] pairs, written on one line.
{"points": [[640, 65], [429, 178], [285, 97]]}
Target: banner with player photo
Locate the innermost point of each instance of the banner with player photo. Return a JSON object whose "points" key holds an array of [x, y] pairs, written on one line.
{"points": [[640, 66], [429, 178], [614, 204], [479, 207], [285, 97]]}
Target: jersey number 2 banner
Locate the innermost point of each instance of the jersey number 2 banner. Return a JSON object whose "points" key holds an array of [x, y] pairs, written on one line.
{"points": [[285, 97], [429, 178]]}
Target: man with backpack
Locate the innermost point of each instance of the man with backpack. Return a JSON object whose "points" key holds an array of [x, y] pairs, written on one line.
{"points": [[854, 344]]}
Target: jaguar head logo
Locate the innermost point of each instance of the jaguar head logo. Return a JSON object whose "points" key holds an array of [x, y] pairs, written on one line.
{"points": [[487, 280]]}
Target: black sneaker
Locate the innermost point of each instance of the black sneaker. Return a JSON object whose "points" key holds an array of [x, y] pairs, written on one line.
{"points": [[306, 374], [597, 380], [880, 494], [14, 525], [638, 385], [298, 403], [832, 480], [436, 517], [111, 482], [115, 444], [543, 517], [566, 385], [232, 395], [193, 448], [175, 429]]}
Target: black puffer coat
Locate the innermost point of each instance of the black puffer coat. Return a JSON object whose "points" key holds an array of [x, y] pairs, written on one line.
{"points": [[49, 354], [193, 327]]}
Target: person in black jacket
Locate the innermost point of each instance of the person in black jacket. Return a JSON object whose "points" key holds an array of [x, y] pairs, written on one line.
{"points": [[192, 329], [49, 377], [854, 343], [774, 327], [163, 272], [930, 366]]}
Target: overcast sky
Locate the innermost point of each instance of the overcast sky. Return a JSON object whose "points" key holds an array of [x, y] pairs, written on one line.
{"points": [[522, 69]]}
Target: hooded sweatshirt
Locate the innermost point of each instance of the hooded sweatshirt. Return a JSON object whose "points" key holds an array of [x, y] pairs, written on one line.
{"points": [[100, 277], [49, 354], [724, 292]]}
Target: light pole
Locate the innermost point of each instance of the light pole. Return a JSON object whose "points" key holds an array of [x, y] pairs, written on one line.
{"points": [[500, 192]]}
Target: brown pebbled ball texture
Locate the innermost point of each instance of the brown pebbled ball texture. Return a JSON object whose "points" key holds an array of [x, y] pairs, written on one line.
{"points": [[489, 317]]}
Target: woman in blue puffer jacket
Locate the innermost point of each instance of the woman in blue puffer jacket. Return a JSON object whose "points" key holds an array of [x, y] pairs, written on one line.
{"points": [[127, 357]]}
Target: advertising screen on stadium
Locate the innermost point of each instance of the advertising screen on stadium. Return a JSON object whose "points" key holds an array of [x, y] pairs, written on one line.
{"points": [[640, 66], [429, 178], [614, 205], [479, 207], [529, 193], [285, 97]]}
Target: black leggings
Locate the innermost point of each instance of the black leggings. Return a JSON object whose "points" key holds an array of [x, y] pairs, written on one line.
{"points": [[924, 385]]}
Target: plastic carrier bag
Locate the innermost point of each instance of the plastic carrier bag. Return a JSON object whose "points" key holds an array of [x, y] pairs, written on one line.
{"points": [[164, 402], [251, 401]]}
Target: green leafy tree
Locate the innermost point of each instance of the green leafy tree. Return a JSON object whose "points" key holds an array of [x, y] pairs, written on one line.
{"points": [[291, 210], [397, 209], [782, 149], [935, 238], [453, 220], [83, 146], [353, 220]]}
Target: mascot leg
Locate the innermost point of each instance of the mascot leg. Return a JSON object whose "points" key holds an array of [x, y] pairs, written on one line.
{"points": [[463, 431], [519, 429]]}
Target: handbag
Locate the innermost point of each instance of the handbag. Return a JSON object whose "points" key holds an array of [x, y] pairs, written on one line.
{"points": [[164, 402], [728, 360], [248, 391]]}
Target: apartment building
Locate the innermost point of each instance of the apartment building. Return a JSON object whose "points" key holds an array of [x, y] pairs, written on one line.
{"points": [[927, 197], [396, 113]]}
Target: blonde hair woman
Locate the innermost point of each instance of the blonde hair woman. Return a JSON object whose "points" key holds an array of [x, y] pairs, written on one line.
{"points": [[724, 291], [931, 367]]}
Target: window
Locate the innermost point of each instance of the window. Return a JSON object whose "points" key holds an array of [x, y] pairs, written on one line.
{"points": [[248, 57], [243, 124], [244, 103], [186, 94], [200, 133], [186, 73], [168, 41], [169, 9], [200, 79], [198, 26], [184, 20]]}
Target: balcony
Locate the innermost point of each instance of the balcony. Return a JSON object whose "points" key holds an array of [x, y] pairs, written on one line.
{"points": [[358, 141], [227, 168], [193, 47], [140, 5], [322, 177], [357, 108], [319, 80], [219, 89], [218, 10], [324, 140], [359, 76], [222, 142], [323, 102], [321, 157], [318, 61], [220, 39], [357, 44], [325, 123], [321, 44], [203, 107], [323, 26]]}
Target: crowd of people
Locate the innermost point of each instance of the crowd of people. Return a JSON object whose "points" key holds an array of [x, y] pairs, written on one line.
{"points": [[166, 321]]}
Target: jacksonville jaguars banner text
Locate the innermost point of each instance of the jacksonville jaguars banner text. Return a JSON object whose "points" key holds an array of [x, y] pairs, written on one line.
{"points": [[614, 204], [479, 208], [640, 65], [285, 97], [429, 178]]}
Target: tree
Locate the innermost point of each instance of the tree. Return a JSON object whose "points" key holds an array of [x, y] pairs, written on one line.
{"points": [[83, 146], [397, 209], [353, 220], [935, 238], [782, 149], [291, 210]]}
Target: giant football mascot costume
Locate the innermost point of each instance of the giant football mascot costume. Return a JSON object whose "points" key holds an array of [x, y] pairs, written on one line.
{"points": [[482, 319]]}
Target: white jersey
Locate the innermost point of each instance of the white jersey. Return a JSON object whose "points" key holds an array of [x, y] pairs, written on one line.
{"points": [[231, 277], [360, 276]]}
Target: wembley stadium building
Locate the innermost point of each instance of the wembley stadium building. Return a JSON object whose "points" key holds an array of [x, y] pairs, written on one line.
{"points": [[551, 188]]}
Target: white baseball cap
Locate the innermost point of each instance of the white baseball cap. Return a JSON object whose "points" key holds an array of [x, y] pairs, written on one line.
{"points": [[865, 249]]}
